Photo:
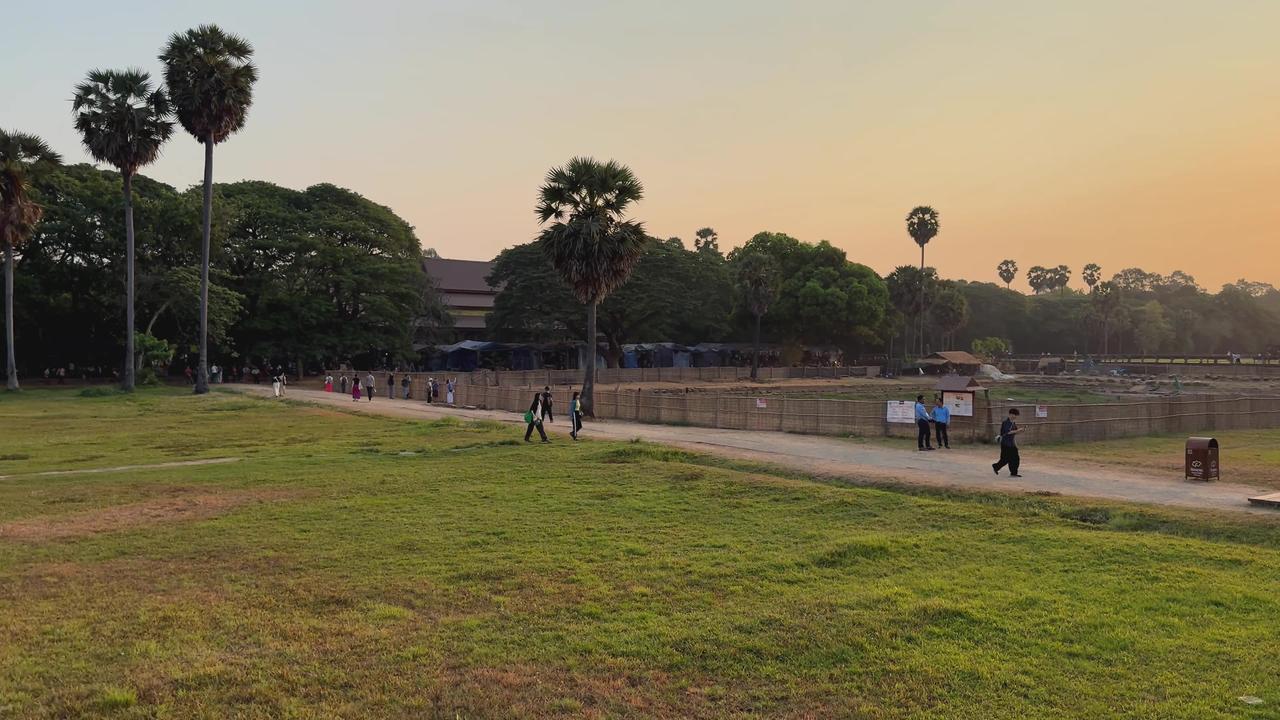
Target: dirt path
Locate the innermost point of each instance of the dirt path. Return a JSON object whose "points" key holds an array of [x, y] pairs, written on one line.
{"points": [[962, 468]]}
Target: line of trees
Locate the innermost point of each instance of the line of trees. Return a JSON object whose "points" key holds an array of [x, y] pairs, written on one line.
{"points": [[305, 277]]}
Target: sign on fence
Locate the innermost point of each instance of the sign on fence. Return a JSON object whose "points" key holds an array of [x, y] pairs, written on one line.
{"points": [[761, 404], [961, 403], [1042, 411], [900, 411]]}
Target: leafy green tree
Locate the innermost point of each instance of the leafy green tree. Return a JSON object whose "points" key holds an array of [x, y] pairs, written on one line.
{"points": [[922, 226], [210, 79], [758, 283], [1043, 279], [1106, 299], [1152, 329], [911, 292], [991, 349], [123, 121], [22, 158], [823, 298], [1091, 275], [1007, 270], [1136, 280], [591, 243], [948, 313]]}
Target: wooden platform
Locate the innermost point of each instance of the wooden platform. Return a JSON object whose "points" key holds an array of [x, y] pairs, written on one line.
{"points": [[1272, 500]]}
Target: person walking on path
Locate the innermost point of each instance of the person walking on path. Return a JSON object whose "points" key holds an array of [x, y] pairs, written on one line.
{"points": [[449, 386], [276, 390], [342, 383], [430, 382], [941, 419], [533, 418], [1009, 445], [435, 390], [391, 386], [547, 402], [284, 379], [355, 388], [922, 425], [404, 385], [368, 385], [328, 383], [575, 416]]}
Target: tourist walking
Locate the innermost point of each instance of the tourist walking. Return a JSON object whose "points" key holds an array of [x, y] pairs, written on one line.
{"points": [[575, 416], [342, 383], [449, 386], [547, 403], [533, 418], [435, 390], [284, 379], [922, 425], [391, 386], [276, 390], [1009, 445], [368, 386], [427, 389], [328, 383], [404, 385], [355, 388], [941, 419]]}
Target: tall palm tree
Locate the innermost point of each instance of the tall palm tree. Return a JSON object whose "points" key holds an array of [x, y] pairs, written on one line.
{"points": [[591, 243], [758, 281], [22, 158], [123, 121], [210, 79], [1008, 271], [922, 226], [1091, 274]]}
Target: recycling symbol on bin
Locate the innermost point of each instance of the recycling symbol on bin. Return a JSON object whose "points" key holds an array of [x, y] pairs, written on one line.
{"points": [[1196, 464]]}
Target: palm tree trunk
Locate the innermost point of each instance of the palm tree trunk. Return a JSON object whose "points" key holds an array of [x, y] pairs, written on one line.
{"points": [[128, 383], [10, 358], [202, 372], [589, 377], [921, 321], [755, 350]]}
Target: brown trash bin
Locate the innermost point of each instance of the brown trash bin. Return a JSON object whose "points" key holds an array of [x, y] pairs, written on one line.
{"points": [[1202, 458]]}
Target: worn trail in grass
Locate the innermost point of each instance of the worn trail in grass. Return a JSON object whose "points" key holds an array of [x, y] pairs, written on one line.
{"points": [[363, 566]]}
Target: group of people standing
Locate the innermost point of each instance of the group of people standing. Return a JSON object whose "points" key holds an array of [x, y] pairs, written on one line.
{"points": [[369, 387], [940, 419], [542, 409]]}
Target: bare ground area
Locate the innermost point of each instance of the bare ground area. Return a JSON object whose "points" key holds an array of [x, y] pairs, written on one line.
{"points": [[180, 506]]}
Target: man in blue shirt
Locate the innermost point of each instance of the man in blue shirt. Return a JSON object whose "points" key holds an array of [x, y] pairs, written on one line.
{"points": [[922, 425], [942, 418]]}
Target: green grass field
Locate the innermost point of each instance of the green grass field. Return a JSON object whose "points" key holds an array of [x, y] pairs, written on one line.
{"points": [[357, 566], [1247, 456]]}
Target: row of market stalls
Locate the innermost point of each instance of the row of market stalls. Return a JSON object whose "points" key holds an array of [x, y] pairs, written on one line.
{"points": [[470, 355]]}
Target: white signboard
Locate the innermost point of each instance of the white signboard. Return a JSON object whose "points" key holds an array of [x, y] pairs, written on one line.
{"points": [[960, 403], [901, 411], [761, 404], [1042, 411]]}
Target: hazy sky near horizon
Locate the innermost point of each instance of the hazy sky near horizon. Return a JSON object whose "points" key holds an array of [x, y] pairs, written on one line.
{"points": [[1120, 132]]}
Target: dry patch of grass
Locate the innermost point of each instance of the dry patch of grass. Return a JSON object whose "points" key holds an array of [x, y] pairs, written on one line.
{"points": [[184, 506]]}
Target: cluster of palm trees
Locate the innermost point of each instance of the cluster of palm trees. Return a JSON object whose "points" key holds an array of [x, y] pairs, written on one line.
{"points": [[123, 120], [1043, 279]]}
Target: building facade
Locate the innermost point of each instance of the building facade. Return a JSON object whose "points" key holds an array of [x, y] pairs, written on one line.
{"points": [[465, 292]]}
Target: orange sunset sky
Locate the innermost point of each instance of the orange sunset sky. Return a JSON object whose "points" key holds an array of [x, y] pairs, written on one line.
{"points": [[1123, 133]]}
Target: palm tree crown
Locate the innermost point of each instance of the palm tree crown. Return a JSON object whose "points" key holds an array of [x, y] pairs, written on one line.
{"points": [[591, 244], [922, 224], [22, 157], [121, 118], [210, 79]]}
